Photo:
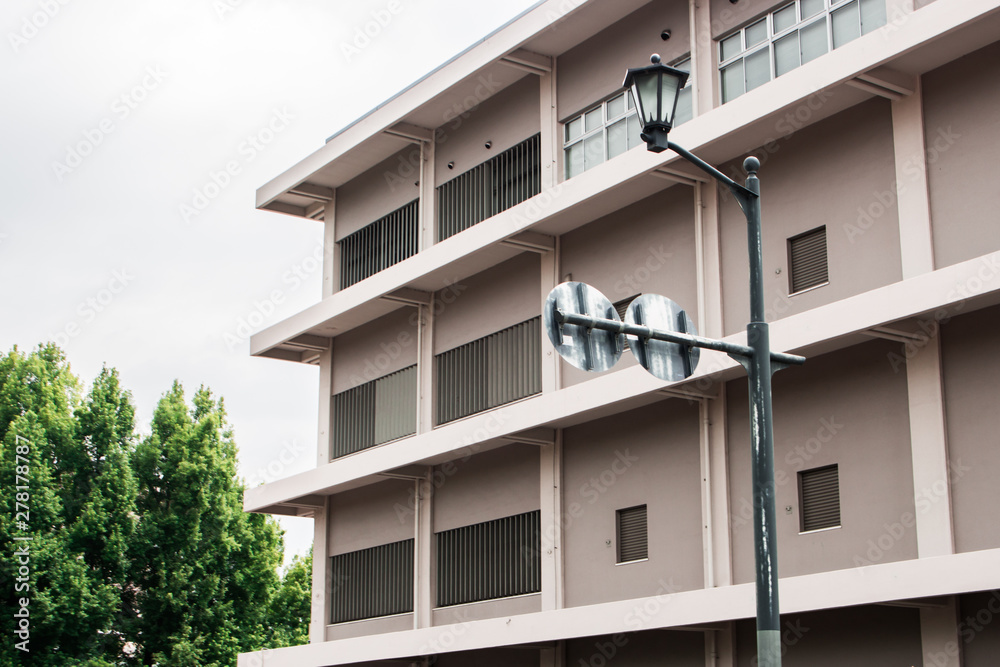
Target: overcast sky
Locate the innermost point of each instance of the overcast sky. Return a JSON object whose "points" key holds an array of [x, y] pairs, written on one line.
{"points": [[115, 239]]}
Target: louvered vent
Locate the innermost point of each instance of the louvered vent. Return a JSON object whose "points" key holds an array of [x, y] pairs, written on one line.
{"points": [[489, 188], [819, 495], [375, 412], [621, 307], [633, 536], [375, 247], [490, 371], [495, 559], [373, 582], [807, 260]]}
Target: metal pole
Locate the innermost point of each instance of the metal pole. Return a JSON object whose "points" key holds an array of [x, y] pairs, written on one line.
{"points": [[762, 438]]}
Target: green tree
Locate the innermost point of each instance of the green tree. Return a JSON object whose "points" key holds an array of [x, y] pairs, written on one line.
{"points": [[289, 611], [204, 571], [65, 610]]}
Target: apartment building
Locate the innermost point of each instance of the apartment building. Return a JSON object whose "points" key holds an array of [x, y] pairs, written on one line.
{"points": [[478, 501]]}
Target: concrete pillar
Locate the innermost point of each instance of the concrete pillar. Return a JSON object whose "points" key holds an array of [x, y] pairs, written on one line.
{"points": [[720, 648], [929, 450], [551, 380], [550, 460], [324, 440], [425, 368], [427, 208], [940, 640], [703, 57], [321, 575], [718, 475], [550, 144], [423, 554], [915, 237], [331, 251]]}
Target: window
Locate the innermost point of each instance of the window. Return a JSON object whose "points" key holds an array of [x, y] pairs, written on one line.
{"points": [[375, 412], [375, 247], [819, 498], [611, 128], [494, 559], [372, 582], [489, 188], [633, 539], [792, 36], [490, 371], [807, 261]]}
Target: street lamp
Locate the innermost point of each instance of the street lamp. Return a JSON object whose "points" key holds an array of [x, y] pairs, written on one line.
{"points": [[654, 90]]}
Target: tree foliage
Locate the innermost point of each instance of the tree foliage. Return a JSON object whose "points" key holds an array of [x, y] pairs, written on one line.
{"points": [[139, 551]]}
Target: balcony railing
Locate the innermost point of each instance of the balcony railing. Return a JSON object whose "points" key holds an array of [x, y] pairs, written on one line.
{"points": [[372, 582], [375, 412], [496, 369], [489, 188], [375, 247]]}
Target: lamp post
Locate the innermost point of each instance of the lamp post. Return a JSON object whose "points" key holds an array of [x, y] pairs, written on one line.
{"points": [[655, 89]]}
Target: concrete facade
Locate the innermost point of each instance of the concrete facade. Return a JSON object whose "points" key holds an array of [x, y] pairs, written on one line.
{"points": [[882, 141]]}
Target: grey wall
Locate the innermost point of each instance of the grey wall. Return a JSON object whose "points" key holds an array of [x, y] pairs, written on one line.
{"points": [[850, 408], [961, 133], [647, 456], [494, 299], [971, 365], [594, 69], [645, 248], [651, 648], [830, 173], [377, 192], [866, 636], [370, 516], [979, 629], [378, 348], [505, 119], [486, 486]]}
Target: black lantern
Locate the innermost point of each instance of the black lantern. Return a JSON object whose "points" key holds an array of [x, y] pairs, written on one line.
{"points": [[655, 89]]}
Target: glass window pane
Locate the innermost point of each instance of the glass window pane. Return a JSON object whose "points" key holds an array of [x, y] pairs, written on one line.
{"points": [[574, 129], [617, 143], [786, 54], [633, 131], [756, 33], [784, 18], [574, 160], [810, 8], [647, 91], [731, 46], [758, 68], [846, 25], [616, 106], [593, 149], [593, 119], [683, 106], [732, 81], [812, 40], [631, 102], [872, 15]]}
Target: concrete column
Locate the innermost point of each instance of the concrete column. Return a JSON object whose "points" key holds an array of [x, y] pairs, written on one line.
{"points": [[915, 237], [929, 450], [423, 555], [554, 656], [720, 647], [550, 144], [718, 474], [551, 380], [940, 640], [551, 523], [321, 575], [428, 205], [706, 202], [331, 251], [425, 368], [324, 440], [703, 58]]}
